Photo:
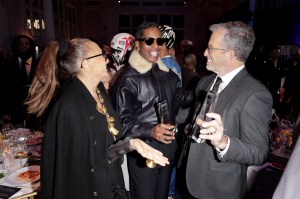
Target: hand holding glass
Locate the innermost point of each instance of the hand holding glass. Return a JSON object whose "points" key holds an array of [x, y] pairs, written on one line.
{"points": [[207, 107]]}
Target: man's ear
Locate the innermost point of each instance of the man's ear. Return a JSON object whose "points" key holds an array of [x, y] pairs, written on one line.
{"points": [[231, 55], [85, 64]]}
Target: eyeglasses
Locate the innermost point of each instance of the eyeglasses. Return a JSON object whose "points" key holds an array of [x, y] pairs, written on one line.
{"points": [[149, 41], [210, 49], [102, 54]]}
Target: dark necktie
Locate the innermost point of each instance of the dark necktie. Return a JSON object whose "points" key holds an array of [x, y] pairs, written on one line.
{"points": [[24, 73], [195, 129], [217, 84]]}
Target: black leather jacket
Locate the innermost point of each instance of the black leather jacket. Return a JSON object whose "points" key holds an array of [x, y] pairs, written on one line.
{"points": [[137, 91]]}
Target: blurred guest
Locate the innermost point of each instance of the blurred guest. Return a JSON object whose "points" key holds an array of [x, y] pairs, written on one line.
{"points": [[17, 76], [237, 135], [291, 88], [271, 72], [294, 59], [137, 92], [121, 46], [190, 76], [186, 47], [79, 158], [190, 80], [168, 34], [255, 59]]}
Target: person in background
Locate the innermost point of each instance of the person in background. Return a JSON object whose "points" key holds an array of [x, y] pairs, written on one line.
{"points": [[138, 90], [291, 88], [186, 47], [237, 135], [121, 46], [255, 60], [168, 34], [271, 73], [81, 146], [17, 76], [189, 75]]}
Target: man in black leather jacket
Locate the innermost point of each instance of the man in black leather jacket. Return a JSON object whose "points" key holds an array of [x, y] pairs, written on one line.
{"points": [[135, 96]]}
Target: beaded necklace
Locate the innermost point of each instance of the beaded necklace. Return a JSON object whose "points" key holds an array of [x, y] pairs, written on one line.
{"points": [[103, 111]]}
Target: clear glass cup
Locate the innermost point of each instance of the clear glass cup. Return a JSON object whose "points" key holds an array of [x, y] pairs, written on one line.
{"points": [[208, 106], [9, 154]]}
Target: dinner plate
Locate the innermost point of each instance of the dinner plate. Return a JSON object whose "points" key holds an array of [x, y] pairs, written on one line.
{"points": [[18, 177]]}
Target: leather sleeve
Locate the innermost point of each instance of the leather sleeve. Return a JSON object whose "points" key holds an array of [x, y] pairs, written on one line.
{"points": [[185, 98], [129, 109]]}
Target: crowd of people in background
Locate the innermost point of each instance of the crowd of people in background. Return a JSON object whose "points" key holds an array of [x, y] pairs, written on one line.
{"points": [[279, 74], [138, 72]]}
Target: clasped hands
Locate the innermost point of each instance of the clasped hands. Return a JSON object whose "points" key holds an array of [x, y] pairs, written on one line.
{"points": [[163, 133], [213, 130]]}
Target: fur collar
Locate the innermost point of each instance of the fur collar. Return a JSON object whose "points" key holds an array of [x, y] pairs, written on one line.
{"points": [[140, 64]]}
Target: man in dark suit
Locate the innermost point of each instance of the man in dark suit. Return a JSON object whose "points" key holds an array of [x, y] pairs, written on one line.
{"points": [[18, 74], [238, 134]]}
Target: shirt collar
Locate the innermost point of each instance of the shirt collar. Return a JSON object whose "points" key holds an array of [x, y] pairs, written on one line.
{"points": [[228, 77]]}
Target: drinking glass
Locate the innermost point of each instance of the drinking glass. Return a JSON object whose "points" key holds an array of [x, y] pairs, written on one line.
{"points": [[21, 153], [7, 131], [9, 154], [208, 106]]}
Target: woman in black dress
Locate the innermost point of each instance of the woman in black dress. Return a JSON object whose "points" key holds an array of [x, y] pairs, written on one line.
{"points": [[80, 149]]}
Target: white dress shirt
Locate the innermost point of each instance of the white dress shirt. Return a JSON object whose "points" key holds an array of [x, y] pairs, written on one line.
{"points": [[225, 81]]}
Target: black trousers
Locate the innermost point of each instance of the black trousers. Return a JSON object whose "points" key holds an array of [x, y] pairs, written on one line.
{"points": [[147, 183]]}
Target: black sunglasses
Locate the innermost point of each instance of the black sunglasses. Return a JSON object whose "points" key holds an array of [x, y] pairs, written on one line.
{"points": [[102, 54], [149, 41]]}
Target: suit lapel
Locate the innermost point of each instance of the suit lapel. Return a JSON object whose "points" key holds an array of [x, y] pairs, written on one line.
{"points": [[229, 92]]}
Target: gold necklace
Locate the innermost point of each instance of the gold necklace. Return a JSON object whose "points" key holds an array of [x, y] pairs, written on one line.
{"points": [[110, 120]]}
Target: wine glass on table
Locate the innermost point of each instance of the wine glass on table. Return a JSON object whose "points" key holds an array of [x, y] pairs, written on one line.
{"points": [[9, 148], [21, 138]]}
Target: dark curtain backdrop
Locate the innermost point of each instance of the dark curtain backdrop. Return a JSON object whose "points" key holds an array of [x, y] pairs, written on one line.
{"points": [[279, 26]]}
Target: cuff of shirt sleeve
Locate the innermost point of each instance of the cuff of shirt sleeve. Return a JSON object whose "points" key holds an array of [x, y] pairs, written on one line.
{"points": [[118, 149], [221, 153]]}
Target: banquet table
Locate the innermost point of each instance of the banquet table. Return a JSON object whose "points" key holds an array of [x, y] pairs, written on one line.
{"points": [[262, 180], [17, 166]]}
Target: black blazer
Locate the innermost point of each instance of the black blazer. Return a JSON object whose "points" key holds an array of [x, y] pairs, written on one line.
{"points": [[75, 160]]}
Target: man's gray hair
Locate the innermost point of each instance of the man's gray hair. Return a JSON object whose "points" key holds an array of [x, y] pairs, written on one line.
{"points": [[238, 36]]}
